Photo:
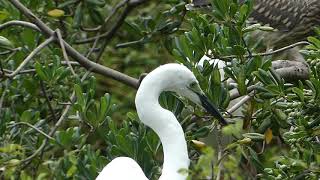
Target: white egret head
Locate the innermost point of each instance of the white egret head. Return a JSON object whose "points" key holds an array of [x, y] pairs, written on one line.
{"points": [[178, 78]]}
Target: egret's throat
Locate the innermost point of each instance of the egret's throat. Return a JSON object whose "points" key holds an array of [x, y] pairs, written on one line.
{"points": [[166, 126]]}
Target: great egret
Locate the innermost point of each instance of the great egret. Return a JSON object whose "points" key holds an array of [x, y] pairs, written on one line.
{"points": [[170, 77]]}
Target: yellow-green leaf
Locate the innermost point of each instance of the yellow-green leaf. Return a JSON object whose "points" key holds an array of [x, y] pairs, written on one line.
{"points": [[268, 135], [4, 42], [198, 144], [56, 13], [71, 171]]}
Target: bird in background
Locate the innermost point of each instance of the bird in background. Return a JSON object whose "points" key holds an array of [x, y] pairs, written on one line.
{"points": [[170, 77], [293, 21]]}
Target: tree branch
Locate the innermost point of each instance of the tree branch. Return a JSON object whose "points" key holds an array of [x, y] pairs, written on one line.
{"points": [[35, 128], [19, 23], [65, 55], [265, 53], [43, 89], [239, 104], [85, 62], [30, 56], [10, 51]]}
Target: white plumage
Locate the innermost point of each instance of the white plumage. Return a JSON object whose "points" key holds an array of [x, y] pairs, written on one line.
{"points": [[169, 77]]}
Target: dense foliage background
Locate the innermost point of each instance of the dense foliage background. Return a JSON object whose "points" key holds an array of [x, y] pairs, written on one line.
{"points": [[58, 122]]}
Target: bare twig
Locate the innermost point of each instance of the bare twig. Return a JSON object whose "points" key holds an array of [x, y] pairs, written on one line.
{"points": [[109, 34], [27, 71], [43, 89], [4, 91], [239, 104], [9, 51], [51, 133], [33, 127], [113, 30], [234, 93], [90, 29], [19, 23], [220, 152], [56, 126], [30, 56], [93, 48], [97, 68], [65, 55], [263, 147], [301, 43]]}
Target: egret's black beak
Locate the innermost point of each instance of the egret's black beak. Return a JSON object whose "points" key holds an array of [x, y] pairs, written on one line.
{"points": [[212, 109], [205, 103]]}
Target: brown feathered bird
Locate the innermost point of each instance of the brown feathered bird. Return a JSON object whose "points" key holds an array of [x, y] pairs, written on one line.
{"points": [[294, 21]]}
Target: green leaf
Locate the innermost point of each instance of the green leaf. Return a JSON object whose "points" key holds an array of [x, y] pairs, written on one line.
{"points": [[299, 93], [254, 158], [4, 42], [67, 3], [80, 97], [254, 136], [40, 72], [78, 16], [26, 116], [202, 132], [71, 171], [96, 2], [314, 41], [96, 16]]}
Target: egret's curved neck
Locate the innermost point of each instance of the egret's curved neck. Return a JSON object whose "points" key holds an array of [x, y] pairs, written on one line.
{"points": [[165, 124]]}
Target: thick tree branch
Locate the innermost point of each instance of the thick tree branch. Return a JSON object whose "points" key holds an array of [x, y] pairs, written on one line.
{"points": [[85, 62]]}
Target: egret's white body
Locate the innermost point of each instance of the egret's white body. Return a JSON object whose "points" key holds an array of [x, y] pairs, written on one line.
{"points": [[169, 77]]}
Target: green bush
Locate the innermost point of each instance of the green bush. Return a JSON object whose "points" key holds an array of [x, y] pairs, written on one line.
{"points": [[65, 123]]}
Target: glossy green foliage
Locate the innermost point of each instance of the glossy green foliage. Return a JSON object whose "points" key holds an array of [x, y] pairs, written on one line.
{"points": [[275, 137]]}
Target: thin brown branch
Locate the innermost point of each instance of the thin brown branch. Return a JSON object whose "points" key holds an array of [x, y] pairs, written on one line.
{"points": [[43, 89], [28, 71], [51, 133], [90, 29], [234, 93], [35, 128], [30, 56], [9, 51], [19, 23], [113, 30], [220, 153], [85, 62], [239, 104], [56, 126], [65, 55], [4, 92], [109, 34], [302, 43]]}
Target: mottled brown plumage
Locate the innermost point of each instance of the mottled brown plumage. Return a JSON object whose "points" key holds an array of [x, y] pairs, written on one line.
{"points": [[294, 19]]}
